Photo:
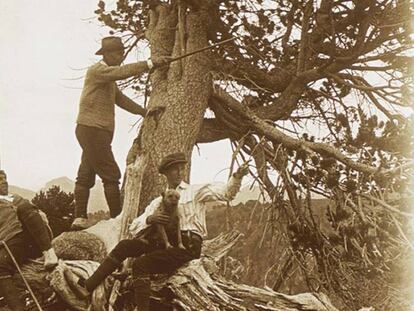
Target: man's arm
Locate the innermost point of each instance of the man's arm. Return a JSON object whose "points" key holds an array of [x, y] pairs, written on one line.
{"points": [[149, 217], [128, 104], [223, 192], [104, 73], [18, 201], [140, 223]]}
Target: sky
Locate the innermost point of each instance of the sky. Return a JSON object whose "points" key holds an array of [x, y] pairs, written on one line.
{"points": [[46, 47]]}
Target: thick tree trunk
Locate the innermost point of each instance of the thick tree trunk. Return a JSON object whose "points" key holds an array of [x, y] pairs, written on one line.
{"points": [[179, 95], [196, 286]]}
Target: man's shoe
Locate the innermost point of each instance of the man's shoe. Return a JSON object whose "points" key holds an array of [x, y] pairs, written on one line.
{"points": [[80, 224], [75, 284], [51, 260]]}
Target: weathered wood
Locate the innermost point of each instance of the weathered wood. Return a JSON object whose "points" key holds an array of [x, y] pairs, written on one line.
{"points": [[196, 286], [134, 175]]}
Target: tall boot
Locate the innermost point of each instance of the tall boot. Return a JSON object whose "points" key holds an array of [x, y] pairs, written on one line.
{"points": [[142, 291], [109, 265], [11, 294], [81, 194], [84, 288], [113, 198]]}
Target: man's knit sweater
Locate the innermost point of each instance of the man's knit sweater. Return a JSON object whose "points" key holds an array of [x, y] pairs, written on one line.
{"points": [[100, 93], [10, 224]]}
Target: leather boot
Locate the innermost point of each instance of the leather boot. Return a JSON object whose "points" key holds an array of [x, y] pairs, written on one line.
{"points": [[81, 194], [113, 198], [109, 265], [11, 294], [142, 291], [84, 288]]}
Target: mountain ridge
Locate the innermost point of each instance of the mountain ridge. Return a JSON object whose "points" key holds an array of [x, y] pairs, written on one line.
{"points": [[97, 200]]}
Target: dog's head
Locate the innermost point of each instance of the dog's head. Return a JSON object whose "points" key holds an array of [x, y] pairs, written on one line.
{"points": [[170, 198]]}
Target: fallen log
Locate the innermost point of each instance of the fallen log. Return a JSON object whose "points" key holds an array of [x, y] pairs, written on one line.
{"points": [[196, 286]]}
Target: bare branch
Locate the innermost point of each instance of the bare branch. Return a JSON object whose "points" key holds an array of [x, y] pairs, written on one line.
{"points": [[264, 128]]}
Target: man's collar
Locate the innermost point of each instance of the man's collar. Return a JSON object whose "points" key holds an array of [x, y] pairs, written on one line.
{"points": [[7, 197], [183, 185]]}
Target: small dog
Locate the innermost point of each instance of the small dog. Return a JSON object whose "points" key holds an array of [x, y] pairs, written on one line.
{"points": [[157, 232]]}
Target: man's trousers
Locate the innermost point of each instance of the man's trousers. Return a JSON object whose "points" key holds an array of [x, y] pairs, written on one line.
{"points": [[97, 159]]}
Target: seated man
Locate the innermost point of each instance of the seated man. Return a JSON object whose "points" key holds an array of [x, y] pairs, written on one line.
{"points": [[158, 259], [27, 235]]}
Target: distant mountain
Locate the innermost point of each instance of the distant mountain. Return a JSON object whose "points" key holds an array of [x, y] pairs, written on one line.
{"points": [[249, 194], [97, 200], [24, 193], [66, 184]]}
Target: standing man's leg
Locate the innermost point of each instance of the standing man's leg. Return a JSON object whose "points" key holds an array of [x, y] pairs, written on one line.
{"points": [[108, 170], [85, 180], [96, 145]]}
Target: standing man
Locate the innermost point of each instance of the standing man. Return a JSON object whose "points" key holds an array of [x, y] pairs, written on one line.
{"points": [[95, 125], [157, 259], [27, 235]]}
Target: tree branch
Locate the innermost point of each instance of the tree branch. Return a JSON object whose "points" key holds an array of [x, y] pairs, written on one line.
{"points": [[264, 128]]}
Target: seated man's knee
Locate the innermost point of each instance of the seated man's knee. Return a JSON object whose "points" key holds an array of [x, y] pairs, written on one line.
{"points": [[123, 245], [25, 210], [122, 249], [128, 248]]}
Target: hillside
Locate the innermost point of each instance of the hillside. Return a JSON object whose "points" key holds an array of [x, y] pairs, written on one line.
{"points": [[24, 193], [96, 200], [258, 259]]}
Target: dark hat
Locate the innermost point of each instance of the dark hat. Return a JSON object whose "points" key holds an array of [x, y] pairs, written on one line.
{"points": [[171, 159], [110, 44]]}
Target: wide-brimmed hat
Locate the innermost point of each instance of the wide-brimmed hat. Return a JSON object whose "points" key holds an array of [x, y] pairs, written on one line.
{"points": [[171, 159], [110, 44]]}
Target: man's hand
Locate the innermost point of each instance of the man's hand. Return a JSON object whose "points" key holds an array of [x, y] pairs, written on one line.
{"points": [[242, 170], [159, 61], [158, 218]]}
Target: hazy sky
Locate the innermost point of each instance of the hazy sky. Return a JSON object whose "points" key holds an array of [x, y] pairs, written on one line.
{"points": [[43, 44]]}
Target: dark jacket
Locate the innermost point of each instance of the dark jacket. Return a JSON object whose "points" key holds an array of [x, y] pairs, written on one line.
{"points": [[9, 222]]}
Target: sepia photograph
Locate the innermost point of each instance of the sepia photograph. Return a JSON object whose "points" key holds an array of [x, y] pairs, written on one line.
{"points": [[191, 155]]}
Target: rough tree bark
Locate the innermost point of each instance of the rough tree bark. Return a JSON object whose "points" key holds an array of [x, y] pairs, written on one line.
{"points": [[179, 94]]}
